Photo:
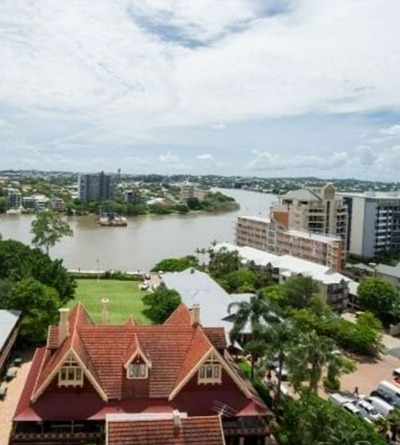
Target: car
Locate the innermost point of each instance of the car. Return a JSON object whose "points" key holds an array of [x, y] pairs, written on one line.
{"points": [[147, 276], [352, 409], [10, 374], [285, 371], [144, 286], [368, 409]]}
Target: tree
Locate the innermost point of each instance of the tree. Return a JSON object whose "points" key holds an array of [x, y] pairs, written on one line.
{"points": [[176, 264], [279, 337], [48, 228], [242, 280], [314, 421], [308, 357], [394, 422], [39, 305], [257, 312], [300, 291], [160, 304], [378, 297], [19, 261], [223, 262]]}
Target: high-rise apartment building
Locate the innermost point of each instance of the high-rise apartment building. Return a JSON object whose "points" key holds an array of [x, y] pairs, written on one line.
{"points": [[314, 208], [191, 191], [374, 222], [14, 198], [95, 187], [270, 236]]}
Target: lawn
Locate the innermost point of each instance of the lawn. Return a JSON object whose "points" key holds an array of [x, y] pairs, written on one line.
{"points": [[125, 299]]}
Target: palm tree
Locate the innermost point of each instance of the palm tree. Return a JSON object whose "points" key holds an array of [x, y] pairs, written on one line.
{"points": [[279, 337], [258, 312], [308, 357]]}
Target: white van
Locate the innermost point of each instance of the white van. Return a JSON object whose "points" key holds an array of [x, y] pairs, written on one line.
{"points": [[380, 405], [338, 400], [389, 392]]}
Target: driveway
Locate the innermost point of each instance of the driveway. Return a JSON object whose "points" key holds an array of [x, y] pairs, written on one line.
{"points": [[8, 406]]}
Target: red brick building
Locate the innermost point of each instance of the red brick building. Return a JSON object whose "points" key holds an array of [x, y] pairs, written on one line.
{"points": [[87, 372]]}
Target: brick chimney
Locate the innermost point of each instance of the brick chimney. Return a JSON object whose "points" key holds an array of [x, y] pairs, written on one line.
{"points": [[195, 314], [63, 325], [104, 311], [177, 422]]}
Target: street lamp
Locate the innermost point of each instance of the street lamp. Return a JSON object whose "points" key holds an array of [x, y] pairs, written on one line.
{"points": [[98, 270]]}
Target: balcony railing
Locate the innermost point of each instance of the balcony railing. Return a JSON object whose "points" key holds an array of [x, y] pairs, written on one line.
{"points": [[59, 438]]}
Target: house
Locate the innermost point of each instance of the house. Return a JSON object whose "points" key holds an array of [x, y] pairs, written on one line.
{"points": [[87, 373], [9, 327]]}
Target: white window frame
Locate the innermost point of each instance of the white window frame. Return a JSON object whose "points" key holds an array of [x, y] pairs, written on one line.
{"points": [[130, 374], [210, 372], [70, 373]]}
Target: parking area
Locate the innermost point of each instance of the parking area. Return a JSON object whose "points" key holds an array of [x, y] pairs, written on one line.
{"points": [[14, 388], [369, 373]]}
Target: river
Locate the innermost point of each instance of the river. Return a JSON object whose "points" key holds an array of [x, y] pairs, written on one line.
{"points": [[146, 240]]}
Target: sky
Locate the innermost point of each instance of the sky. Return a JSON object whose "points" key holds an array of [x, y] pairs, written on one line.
{"points": [[267, 88]]}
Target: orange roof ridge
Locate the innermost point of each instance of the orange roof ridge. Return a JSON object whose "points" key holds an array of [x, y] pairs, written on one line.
{"points": [[130, 321], [180, 316]]}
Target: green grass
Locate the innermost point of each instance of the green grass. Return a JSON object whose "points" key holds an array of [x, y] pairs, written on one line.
{"points": [[125, 299]]}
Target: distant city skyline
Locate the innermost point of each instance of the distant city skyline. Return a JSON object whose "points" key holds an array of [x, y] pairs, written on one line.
{"points": [[266, 88]]}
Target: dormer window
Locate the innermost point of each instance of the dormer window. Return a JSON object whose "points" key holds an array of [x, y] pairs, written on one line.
{"points": [[137, 371], [210, 372], [70, 373]]}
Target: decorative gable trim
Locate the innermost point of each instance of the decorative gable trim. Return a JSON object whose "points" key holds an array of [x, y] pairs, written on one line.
{"points": [[225, 366], [55, 371], [137, 353]]}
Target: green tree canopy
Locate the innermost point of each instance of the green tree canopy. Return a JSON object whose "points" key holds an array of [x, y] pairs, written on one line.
{"points": [[176, 264], [19, 261], [242, 280], [39, 305], [300, 291], [223, 262], [378, 297], [160, 304], [48, 228]]}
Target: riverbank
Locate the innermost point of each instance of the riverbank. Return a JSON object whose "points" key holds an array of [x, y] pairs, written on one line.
{"points": [[146, 240]]}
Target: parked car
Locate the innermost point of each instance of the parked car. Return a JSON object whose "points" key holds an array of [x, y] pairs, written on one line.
{"points": [[339, 400], [380, 405], [10, 374], [368, 409], [144, 286], [389, 392], [352, 409]]}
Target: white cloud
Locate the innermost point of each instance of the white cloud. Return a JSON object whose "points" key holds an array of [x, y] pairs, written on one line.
{"points": [[366, 155], [218, 126], [169, 158], [210, 159], [265, 161], [205, 157], [394, 130]]}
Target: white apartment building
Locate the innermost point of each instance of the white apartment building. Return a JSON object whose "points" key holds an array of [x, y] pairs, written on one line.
{"points": [[14, 198], [374, 222]]}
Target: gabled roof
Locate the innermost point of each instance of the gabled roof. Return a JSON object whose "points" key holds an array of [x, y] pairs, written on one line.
{"points": [[181, 315], [204, 430], [8, 321], [175, 352]]}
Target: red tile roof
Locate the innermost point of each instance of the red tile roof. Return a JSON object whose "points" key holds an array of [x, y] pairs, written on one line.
{"points": [[193, 431], [181, 316], [174, 351]]}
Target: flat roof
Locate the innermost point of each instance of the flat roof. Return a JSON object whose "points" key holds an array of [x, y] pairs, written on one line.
{"points": [[313, 236], [394, 195], [262, 219], [8, 321]]}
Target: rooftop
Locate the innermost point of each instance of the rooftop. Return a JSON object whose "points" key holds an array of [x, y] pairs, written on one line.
{"points": [[8, 321]]}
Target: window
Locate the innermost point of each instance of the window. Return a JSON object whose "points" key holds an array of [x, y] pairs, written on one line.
{"points": [[70, 373], [137, 371], [210, 371]]}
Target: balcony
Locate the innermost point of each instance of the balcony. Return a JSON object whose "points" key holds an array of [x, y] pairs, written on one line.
{"points": [[56, 438]]}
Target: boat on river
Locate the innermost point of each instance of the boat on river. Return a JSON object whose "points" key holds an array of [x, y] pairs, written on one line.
{"points": [[113, 220]]}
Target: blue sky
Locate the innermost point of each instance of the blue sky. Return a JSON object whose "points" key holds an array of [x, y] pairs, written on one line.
{"points": [[249, 87]]}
